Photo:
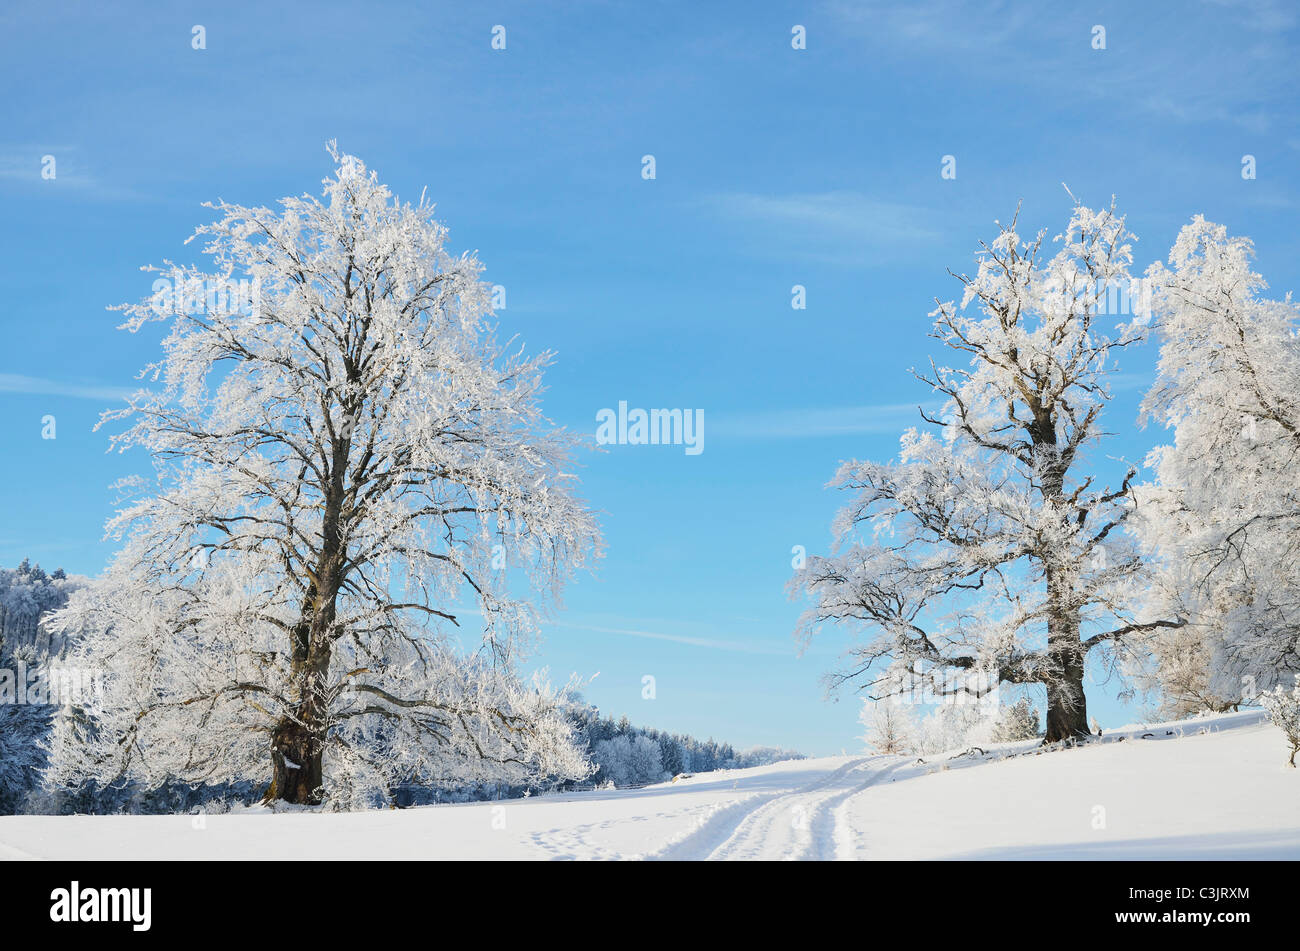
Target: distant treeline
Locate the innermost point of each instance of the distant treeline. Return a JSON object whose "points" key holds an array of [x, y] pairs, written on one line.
{"points": [[627, 755]]}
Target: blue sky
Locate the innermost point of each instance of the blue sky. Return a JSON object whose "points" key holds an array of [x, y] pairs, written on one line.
{"points": [[774, 167]]}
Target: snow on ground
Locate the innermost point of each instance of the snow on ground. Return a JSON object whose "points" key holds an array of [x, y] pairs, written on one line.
{"points": [[1226, 793], [1207, 788]]}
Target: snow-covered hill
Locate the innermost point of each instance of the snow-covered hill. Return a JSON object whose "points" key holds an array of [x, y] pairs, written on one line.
{"points": [[1214, 788]]}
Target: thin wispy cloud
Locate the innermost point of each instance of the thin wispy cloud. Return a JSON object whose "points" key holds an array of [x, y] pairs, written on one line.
{"points": [[711, 643], [38, 386], [739, 647], [835, 226], [26, 163], [23, 165], [878, 419]]}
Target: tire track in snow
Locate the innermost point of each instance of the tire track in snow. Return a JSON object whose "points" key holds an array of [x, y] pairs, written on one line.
{"points": [[832, 834], [789, 827], [709, 822], [803, 822], [712, 829], [787, 824]]}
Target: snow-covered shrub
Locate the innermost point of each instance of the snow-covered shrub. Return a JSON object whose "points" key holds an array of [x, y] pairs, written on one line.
{"points": [[890, 727], [952, 726], [1283, 708], [1016, 722]]}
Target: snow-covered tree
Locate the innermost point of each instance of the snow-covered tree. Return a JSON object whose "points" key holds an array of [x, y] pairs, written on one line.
{"points": [[628, 760], [889, 726], [1223, 514], [1283, 708], [27, 595], [23, 728], [344, 458], [30, 652], [1019, 721], [984, 555], [1178, 664], [677, 753]]}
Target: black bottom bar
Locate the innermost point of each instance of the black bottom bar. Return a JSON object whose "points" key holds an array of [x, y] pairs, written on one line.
{"points": [[253, 902]]}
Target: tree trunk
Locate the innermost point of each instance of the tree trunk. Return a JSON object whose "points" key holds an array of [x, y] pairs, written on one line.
{"points": [[1067, 707], [298, 741], [298, 764]]}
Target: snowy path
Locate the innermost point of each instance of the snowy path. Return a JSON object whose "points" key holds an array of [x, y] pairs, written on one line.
{"points": [[806, 823]]}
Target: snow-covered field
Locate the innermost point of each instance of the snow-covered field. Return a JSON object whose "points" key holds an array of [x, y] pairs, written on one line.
{"points": [[1215, 788]]}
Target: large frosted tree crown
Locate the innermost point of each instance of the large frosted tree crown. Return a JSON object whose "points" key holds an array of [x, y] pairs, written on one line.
{"points": [[347, 467]]}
